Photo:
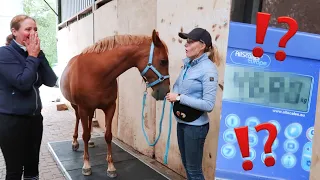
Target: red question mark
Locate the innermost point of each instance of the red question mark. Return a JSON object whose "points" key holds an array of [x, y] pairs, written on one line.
{"points": [[269, 161], [293, 28], [243, 141]]}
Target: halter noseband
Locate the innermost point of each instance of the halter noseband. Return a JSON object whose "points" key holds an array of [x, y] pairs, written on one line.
{"points": [[150, 66]]}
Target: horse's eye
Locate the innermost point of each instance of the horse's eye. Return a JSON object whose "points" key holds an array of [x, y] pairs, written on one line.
{"points": [[163, 62]]}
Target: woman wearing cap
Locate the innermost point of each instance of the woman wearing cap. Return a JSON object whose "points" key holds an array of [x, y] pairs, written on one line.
{"points": [[194, 94]]}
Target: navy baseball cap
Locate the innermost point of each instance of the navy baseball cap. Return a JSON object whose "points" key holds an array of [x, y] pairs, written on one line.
{"points": [[198, 34]]}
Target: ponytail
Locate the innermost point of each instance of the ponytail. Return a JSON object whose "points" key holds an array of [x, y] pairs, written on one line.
{"points": [[9, 39], [214, 55]]}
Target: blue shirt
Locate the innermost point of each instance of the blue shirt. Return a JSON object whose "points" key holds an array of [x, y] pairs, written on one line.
{"points": [[197, 84]]}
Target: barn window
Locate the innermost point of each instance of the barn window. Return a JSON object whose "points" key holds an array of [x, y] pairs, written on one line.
{"points": [[245, 11]]}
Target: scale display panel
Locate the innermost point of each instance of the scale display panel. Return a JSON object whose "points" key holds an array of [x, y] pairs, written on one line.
{"points": [[282, 90], [258, 90]]}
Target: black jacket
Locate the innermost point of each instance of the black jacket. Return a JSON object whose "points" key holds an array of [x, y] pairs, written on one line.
{"points": [[20, 78]]}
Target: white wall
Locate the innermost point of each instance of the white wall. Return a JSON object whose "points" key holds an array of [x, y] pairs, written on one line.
{"points": [[8, 9], [168, 18]]}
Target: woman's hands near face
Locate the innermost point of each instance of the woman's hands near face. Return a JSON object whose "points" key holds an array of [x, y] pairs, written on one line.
{"points": [[33, 44]]}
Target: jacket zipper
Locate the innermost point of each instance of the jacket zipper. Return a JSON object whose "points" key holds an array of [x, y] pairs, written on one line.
{"points": [[36, 95]]}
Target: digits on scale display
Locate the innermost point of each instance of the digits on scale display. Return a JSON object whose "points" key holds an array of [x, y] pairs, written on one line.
{"points": [[274, 89]]}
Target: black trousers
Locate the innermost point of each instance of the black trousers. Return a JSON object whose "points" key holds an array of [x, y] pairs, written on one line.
{"points": [[20, 140]]}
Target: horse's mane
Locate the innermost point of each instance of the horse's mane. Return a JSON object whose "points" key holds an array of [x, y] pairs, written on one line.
{"points": [[111, 42]]}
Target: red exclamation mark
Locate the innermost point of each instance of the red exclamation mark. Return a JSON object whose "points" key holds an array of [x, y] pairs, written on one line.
{"points": [[262, 26], [243, 141]]}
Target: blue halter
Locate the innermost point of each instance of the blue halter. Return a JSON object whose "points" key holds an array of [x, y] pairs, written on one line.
{"points": [[161, 78], [150, 66]]}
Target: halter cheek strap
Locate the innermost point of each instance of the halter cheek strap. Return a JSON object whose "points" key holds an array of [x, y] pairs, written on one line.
{"points": [[150, 66]]}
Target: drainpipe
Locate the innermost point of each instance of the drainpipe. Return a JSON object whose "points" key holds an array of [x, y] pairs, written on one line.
{"points": [[52, 8]]}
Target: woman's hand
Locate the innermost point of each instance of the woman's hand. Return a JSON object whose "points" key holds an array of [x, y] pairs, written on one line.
{"points": [[33, 44], [172, 97]]}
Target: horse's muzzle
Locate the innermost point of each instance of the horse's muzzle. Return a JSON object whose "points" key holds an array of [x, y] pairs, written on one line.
{"points": [[160, 93]]}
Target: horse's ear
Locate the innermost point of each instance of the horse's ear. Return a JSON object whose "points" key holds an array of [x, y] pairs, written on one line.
{"points": [[155, 38]]}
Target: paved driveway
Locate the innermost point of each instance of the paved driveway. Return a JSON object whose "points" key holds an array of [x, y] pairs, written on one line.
{"points": [[58, 126]]}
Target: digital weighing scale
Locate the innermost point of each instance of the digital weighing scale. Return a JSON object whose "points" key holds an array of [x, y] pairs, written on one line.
{"points": [[258, 90]]}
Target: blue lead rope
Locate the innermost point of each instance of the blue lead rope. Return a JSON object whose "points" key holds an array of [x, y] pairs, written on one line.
{"points": [[165, 158]]}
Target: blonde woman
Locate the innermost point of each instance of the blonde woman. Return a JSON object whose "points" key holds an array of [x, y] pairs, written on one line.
{"points": [[23, 69], [194, 95]]}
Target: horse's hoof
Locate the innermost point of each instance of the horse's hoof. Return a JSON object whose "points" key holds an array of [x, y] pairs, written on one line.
{"points": [[91, 144], [112, 174], [75, 147], [86, 172]]}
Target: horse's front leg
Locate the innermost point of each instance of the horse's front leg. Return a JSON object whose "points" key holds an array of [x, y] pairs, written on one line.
{"points": [[86, 169], [111, 172]]}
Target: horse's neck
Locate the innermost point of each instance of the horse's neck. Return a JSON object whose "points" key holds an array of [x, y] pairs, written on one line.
{"points": [[116, 63]]}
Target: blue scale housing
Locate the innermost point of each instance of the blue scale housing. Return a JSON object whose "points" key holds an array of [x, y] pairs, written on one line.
{"points": [[258, 90]]}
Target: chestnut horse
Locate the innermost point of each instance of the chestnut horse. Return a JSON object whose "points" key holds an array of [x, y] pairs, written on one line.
{"points": [[89, 81]]}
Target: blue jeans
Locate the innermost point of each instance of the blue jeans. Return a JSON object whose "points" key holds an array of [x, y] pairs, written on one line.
{"points": [[191, 141]]}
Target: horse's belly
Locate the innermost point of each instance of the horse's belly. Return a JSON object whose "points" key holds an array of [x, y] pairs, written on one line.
{"points": [[85, 89], [96, 96]]}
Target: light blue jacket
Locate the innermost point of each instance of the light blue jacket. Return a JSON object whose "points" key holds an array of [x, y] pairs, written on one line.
{"points": [[197, 84]]}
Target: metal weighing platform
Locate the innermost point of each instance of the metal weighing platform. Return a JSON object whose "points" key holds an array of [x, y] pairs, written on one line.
{"points": [[127, 164]]}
